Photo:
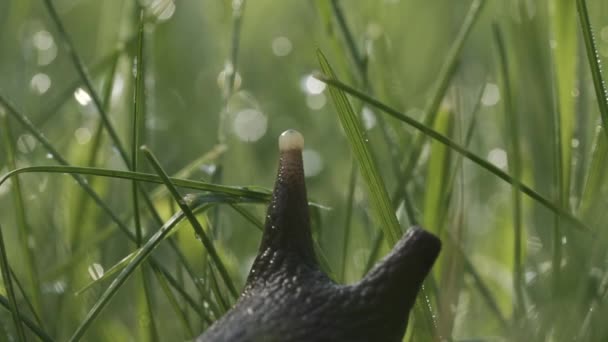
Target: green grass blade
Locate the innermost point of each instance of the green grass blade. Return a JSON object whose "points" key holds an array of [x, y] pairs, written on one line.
{"points": [[28, 254], [458, 148], [86, 80], [252, 195], [26, 123], [174, 304], [198, 229], [28, 302], [147, 327], [43, 336], [131, 267], [594, 60], [350, 201], [8, 285], [447, 71], [53, 109], [359, 145], [514, 154]]}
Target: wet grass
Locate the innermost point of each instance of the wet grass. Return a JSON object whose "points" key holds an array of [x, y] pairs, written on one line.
{"points": [[99, 242]]}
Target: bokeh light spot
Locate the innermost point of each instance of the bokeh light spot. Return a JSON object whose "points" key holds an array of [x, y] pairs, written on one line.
{"points": [[281, 46], [40, 83], [250, 125]]}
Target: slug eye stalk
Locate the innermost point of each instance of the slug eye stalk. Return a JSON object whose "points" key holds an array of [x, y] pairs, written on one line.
{"points": [[288, 298]]}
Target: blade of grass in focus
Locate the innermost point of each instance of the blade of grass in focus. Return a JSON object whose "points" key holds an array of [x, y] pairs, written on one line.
{"points": [[194, 222], [8, 286], [147, 326], [24, 231], [514, 157], [43, 336], [458, 148], [593, 58], [448, 69], [132, 266], [359, 145]]}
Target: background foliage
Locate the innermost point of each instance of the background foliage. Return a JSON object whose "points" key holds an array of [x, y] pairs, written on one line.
{"points": [[512, 179]]}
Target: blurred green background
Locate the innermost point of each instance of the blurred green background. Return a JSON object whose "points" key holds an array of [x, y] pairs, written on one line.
{"points": [[221, 80]]}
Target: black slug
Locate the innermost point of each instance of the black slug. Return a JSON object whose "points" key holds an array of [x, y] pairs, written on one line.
{"points": [[288, 298]]}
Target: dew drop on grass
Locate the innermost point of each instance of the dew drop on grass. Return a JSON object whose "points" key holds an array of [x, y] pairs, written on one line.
{"points": [[209, 168], [311, 85], [82, 97], [165, 11], [491, 95], [26, 143], [43, 40], [369, 118], [223, 79], [498, 157], [82, 135], [96, 271], [40, 83]]}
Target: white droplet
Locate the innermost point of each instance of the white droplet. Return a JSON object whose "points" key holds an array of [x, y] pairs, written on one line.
{"points": [[291, 140], [498, 157], [43, 40], [313, 163], [574, 143], [281, 46], [312, 85], [40, 83], [166, 12], [316, 101], [369, 118], [26, 143], [250, 125], [82, 135], [491, 95], [96, 271], [209, 168], [223, 78], [82, 97]]}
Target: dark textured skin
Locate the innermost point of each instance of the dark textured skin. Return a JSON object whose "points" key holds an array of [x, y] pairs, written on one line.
{"points": [[288, 298]]}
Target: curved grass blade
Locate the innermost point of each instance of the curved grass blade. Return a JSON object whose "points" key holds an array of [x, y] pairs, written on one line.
{"points": [[456, 147], [198, 229], [28, 323], [512, 124], [359, 145], [594, 60], [137, 260], [144, 177], [147, 329], [20, 215], [198, 205], [24, 121], [8, 285]]}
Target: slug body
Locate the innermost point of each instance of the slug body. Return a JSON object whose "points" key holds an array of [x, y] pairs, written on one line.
{"points": [[288, 298]]}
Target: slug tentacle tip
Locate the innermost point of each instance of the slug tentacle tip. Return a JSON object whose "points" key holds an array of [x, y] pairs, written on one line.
{"points": [[291, 140]]}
